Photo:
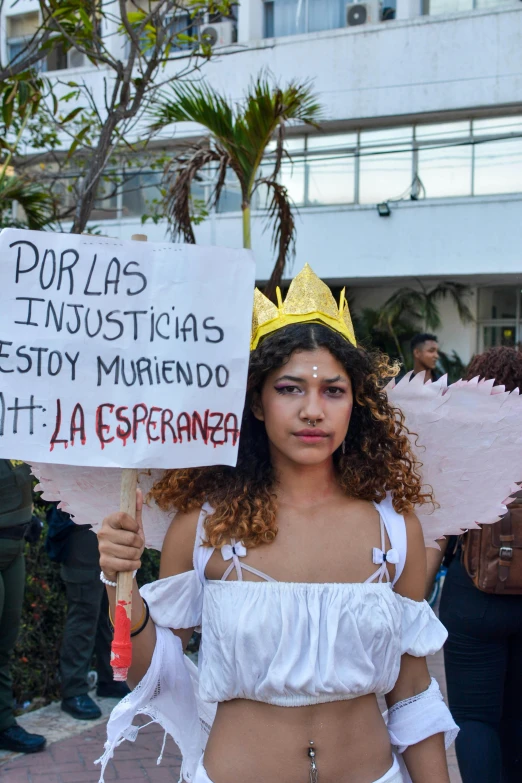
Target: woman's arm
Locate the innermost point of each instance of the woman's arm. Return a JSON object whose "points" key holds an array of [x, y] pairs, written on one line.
{"points": [[426, 760], [121, 542]]}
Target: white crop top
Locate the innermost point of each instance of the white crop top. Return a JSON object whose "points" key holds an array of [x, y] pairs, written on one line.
{"points": [[294, 644]]}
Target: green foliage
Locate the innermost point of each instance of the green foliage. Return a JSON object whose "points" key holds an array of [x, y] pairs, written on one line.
{"points": [[33, 197], [35, 663], [240, 133]]}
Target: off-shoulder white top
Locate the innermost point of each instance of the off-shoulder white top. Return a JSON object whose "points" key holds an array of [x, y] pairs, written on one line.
{"points": [[294, 644]]}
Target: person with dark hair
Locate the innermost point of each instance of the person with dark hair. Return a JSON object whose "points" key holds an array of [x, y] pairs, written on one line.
{"points": [[304, 565], [483, 653], [425, 352], [16, 511]]}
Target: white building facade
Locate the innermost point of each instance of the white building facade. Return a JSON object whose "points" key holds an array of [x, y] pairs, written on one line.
{"points": [[417, 171]]}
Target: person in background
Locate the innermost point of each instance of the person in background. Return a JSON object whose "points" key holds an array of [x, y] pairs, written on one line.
{"points": [[425, 351], [483, 653], [87, 628], [16, 510]]}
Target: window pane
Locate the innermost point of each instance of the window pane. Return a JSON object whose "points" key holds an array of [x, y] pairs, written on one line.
{"points": [[293, 178], [106, 204], [449, 6], [497, 125], [393, 136], [498, 167], [443, 130], [289, 17], [491, 3], [331, 181], [325, 14], [445, 171], [139, 191], [497, 303], [384, 176], [499, 335], [332, 141], [230, 199]]}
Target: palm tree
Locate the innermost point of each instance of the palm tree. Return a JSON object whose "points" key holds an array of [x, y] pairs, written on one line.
{"points": [[421, 304], [239, 134], [36, 202]]}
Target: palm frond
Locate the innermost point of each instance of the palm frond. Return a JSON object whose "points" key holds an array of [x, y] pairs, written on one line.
{"points": [[243, 129], [37, 203], [178, 178], [284, 233], [458, 293], [405, 302]]}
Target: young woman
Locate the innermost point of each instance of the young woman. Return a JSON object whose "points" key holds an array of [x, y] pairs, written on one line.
{"points": [[305, 566]]}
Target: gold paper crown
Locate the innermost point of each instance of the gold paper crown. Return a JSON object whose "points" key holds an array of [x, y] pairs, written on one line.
{"points": [[308, 300]]}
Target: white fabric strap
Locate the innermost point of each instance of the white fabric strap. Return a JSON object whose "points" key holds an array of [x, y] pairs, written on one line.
{"points": [[396, 529], [234, 551]]}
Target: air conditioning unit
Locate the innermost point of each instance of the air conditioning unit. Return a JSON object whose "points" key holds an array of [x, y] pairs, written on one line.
{"points": [[219, 33], [76, 59], [368, 12]]}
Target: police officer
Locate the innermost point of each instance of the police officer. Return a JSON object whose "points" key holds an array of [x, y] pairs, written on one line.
{"points": [[16, 508], [87, 627]]}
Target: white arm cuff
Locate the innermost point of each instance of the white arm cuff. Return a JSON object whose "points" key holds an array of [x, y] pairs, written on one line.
{"points": [[415, 719]]}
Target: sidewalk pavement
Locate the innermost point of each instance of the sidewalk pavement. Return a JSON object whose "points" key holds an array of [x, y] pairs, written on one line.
{"points": [[74, 745]]}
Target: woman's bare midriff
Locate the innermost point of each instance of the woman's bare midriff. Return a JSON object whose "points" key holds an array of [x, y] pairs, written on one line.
{"points": [[253, 742]]}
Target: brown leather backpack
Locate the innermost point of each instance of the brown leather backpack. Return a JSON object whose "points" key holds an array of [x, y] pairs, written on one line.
{"points": [[492, 556]]}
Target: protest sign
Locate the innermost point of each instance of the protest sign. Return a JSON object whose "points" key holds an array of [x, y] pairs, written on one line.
{"points": [[125, 354]]}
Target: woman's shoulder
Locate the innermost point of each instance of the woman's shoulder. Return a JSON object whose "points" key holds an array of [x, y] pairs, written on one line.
{"points": [[179, 542]]}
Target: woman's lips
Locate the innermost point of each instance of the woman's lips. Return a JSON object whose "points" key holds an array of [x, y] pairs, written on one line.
{"points": [[311, 436]]}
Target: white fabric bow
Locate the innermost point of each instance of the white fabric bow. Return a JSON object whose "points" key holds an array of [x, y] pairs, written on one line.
{"points": [[391, 556], [229, 550]]}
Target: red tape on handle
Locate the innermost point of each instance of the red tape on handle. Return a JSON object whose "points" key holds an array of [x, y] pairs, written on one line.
{"points": [[121, 648]]}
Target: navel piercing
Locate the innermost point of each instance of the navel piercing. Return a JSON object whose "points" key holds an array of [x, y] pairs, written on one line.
{"points": [[312, 423], [313, 767]]}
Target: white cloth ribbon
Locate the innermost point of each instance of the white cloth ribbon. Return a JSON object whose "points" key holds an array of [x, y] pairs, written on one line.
{"points": [[392, 556], [229, 550]]}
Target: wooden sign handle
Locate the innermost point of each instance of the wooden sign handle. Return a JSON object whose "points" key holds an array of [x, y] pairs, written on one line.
{"points": [[121, 649]]}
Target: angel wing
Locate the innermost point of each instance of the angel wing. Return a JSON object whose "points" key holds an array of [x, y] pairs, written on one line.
{"points": [[90, 494], [468, 437]]}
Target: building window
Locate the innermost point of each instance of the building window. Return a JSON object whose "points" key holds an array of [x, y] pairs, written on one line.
{"points": [[443, 160], [436, 7], [499, 317], [295, 17], [21, 30]]}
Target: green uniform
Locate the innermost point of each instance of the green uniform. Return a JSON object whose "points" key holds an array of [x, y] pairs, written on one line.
{"points": [[87, 627], [16, 508]]}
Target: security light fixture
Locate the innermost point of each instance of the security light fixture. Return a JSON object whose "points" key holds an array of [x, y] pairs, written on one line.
{"points": [[384, 209]]}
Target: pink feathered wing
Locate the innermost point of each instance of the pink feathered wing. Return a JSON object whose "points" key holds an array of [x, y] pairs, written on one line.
{"points": [[467, 436]]}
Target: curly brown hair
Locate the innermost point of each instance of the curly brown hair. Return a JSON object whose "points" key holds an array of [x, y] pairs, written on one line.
{"points": [[502, 364], [378, 456]]}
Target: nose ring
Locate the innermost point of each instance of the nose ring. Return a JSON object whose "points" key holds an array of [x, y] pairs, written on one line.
{"points": [[312, 423]]}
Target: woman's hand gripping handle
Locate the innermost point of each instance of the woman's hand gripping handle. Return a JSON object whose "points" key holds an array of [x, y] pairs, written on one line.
{"points": [[121, 542]]}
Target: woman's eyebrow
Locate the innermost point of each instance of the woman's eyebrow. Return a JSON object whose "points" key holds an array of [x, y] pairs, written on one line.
{"points": [[296, 379], [293, 378]]}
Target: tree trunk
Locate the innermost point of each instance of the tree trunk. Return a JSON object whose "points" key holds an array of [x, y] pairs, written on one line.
{"points": [[247, 237], [94, 174]]}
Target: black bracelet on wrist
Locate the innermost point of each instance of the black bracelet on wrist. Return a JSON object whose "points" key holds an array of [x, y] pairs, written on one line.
{"points": [[145, 621]]}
